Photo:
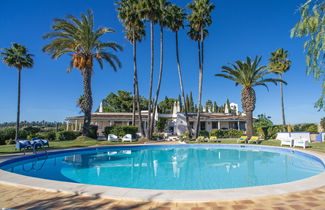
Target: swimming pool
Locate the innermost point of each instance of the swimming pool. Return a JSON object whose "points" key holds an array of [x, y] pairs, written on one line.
{"points": [[171, 167]]}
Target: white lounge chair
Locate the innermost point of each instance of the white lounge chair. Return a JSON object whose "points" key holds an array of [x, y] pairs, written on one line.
{"points": [[301, 143], [112, 137], [127, 137], [288, 141]]}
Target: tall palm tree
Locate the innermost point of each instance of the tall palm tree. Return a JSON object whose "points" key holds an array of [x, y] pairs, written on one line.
{"points": [[134, 28], [149, 10], [78, 38], [18, 57], [199, 20], [177, 18], [279, 64], [248, 74], [164, 18]]}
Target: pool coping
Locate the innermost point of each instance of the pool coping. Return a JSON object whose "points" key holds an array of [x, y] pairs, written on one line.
{"points": [[310, 183]]}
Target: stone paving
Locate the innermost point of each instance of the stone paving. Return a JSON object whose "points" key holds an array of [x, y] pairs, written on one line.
{"points": [[25, 198]]}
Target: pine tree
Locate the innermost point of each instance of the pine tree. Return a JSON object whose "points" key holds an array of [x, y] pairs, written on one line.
{"points": [[188, 103], [215, 107], [192, 107], [180, 103]]}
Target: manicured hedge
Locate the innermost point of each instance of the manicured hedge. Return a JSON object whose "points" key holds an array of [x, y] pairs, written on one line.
{"points": [[226, 133], [67, 135], [121, 130]]}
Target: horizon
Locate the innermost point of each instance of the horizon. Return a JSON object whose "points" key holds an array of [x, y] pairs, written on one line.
{"points": [[247, 28]]}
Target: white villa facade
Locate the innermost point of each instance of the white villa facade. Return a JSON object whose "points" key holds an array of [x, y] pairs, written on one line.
{"points": [[176, 123]]}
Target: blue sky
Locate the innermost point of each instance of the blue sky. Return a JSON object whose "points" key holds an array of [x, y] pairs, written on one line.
{"points": [[239, 29]]}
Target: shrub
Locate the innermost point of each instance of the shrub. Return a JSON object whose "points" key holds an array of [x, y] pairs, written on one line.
{"points": [[312, 128], [227, 133], [217, 132], [67, 135], [8, 142], [121, 130], [7, 133], [22, 134], [161, 124], [322, 123], [204, 133], [51, 136], [233, 133], [93, 131], [31, 130]]}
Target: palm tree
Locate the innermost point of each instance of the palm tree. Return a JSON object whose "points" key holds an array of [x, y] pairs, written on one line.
{"points": [[18, 57], [176, 22], [134, 28], [279, 64], [199, 20], [249, 75], [78, 38], [149, 10], [164, 18]]}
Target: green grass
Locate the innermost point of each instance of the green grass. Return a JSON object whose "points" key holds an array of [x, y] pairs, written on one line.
{"points": [[87, 142], [80, 142]]}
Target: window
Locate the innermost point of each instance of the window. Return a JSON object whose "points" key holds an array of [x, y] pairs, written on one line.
{"points": [[214, 125], [192, 124], [202, 126]]}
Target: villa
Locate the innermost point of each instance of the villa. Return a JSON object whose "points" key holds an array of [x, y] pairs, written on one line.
{"points": [[176, 122]]}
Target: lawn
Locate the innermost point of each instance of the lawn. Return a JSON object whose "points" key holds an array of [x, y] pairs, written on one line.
{"points": [[87, 142]]}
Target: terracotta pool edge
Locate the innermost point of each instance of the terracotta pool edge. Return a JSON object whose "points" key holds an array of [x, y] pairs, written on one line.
{"points": [[310, 183]]}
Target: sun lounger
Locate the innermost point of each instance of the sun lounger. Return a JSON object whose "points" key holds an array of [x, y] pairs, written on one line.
{"points": [[242, 139], [127, 137], [288, 142], [40, 142], [200, 139], [254, 140], [23, 144], [213, 139], [301, 143], [112, 137]]}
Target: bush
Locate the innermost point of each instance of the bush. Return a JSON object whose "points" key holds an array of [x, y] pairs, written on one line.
{"points": [[204, 133], [227, 133], [51, 136], [121, 130], [217, 132], [93, 131], [312, 128], [9, 142], [67, 135], [7, 133], [31, 130]]}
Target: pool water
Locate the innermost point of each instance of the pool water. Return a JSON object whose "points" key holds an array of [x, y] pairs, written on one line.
{"points": [[183, 167]]}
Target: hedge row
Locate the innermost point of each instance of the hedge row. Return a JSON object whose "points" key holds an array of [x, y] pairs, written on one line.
{"points": [[223, 133], [121, 130], [7, 134]]}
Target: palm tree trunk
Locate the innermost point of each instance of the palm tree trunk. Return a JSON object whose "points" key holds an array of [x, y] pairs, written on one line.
{"points": [[249, 124], [159, 79], [200, 84], [134, 98], [151, 78], [282, 102], [18, 105], [182, 88], [136, 84], [88, 99]]}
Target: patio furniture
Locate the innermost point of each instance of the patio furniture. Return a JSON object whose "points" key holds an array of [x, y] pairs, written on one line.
{"points": [[40, 142], [288, 142], [112, 137], [301, 143], [200, 138], [254, 140], [320, 137], [242, 139], [23, 144], [213, 139], [127, 137]]}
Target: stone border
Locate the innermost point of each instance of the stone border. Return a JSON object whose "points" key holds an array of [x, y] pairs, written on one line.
{"points": [[166, 195]]}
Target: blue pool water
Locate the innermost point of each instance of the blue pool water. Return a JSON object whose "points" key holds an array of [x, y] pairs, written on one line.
{"points": [[181, 167]]}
